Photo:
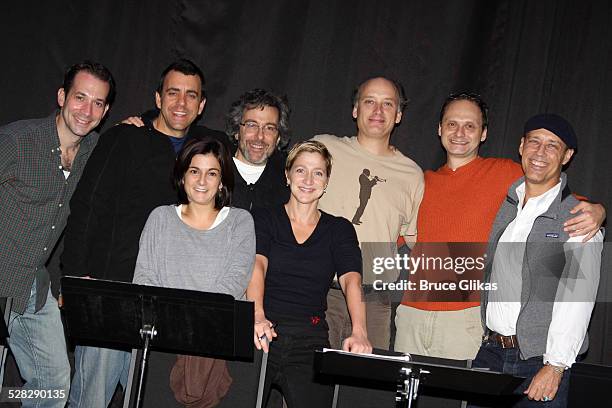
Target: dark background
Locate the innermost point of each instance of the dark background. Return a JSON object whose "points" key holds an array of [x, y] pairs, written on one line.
{"points": [[524, 57]]}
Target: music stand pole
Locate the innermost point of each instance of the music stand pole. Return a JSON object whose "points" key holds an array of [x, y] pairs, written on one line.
{"points": [[147, 333], [262, 375]]}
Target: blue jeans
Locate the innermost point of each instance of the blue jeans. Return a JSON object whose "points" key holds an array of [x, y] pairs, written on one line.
{"points": [[493, 356], [38, 344], [97, 373]]}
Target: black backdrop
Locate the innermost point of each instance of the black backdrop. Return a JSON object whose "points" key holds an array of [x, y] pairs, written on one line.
{"points": [[523, 56]]}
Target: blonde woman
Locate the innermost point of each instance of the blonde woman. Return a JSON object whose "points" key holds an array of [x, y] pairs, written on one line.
{"points": [[299, 251]]}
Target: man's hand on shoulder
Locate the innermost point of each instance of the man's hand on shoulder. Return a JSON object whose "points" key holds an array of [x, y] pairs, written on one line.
{"points": [[132, 120], [587, 222]]}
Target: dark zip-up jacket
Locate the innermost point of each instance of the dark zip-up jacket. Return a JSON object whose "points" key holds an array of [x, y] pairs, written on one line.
{"points": [[128, 175]]}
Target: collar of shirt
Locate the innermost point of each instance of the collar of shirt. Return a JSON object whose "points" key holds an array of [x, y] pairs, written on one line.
{"points": [[249, 173], [518, 230]]}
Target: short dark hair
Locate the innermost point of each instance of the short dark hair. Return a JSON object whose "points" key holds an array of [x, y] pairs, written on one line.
{"points": [[204, 146], [94, 68], [259, 98], [185, 67], [467, 96], [401, 94]]}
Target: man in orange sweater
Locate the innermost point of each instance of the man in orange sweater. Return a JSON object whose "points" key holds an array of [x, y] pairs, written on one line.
{"points": [[459, 205]]}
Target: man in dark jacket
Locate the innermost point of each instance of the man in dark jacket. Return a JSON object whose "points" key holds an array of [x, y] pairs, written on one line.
{"points": [[127, 176], [258, 125], [257, 129]]}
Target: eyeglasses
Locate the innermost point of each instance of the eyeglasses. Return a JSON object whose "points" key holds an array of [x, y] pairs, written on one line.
{"points": [[251, 127]]}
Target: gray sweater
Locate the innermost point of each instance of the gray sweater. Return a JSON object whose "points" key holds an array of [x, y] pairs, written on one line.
{"points": [[172, 254]]}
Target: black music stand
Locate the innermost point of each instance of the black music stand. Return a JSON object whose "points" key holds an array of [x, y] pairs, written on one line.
{"points": [[408, 375], [5, 307], [124, 315]]}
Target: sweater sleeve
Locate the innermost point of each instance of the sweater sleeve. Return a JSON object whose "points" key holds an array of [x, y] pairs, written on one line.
{"points": [[515, 171], [242, 256], [147, 271]]}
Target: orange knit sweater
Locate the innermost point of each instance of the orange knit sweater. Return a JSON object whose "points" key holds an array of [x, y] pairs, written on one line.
{"points": [[460, 206]]}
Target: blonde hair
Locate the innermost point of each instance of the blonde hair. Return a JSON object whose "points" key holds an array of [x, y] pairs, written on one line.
{"points": [[309, 146]]}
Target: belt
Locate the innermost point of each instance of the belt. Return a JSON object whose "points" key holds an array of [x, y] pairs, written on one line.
{"points": [[366, 288], [504, 341]]}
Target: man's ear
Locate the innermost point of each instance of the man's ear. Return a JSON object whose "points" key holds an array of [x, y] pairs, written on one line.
{"points": [[521, 146], [567, 156], [61, 97], [202, 104], [158, 100], [398, 117], [484, 135]]}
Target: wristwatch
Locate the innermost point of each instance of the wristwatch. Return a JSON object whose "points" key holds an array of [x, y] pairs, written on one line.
{"points": [[556, 368]]}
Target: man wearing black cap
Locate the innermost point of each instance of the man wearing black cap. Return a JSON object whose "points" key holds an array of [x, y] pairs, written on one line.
{"points": [[543, 282]]}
